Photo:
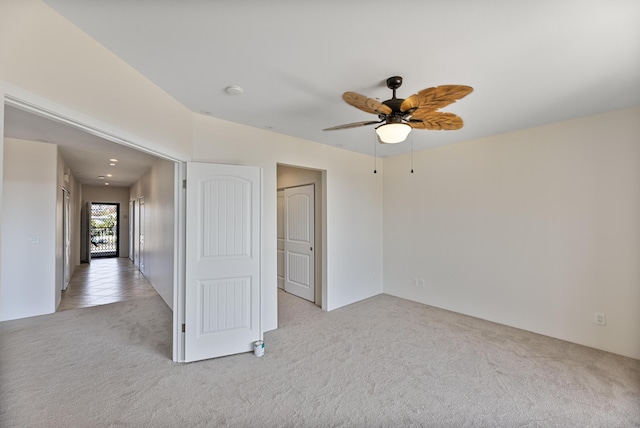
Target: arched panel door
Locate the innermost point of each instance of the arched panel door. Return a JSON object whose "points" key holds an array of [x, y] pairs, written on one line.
{"points": [[223, 264], [299, 241]]}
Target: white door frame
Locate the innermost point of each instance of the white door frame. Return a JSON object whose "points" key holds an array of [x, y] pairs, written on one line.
{"points": [[320, 226], [29, 102]]}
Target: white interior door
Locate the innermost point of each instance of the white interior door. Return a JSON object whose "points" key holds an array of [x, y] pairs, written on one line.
{"points": [[141, 220], [280, 238], [131, 228], [299, 240], [66, 239], [223, 260]]}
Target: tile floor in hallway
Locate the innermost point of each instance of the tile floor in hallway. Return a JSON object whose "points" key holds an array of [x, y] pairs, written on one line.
{"points": [[105, 281]]}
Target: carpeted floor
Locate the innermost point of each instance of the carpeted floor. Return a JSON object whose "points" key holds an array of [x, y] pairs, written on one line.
{"points": [[383, 362]]}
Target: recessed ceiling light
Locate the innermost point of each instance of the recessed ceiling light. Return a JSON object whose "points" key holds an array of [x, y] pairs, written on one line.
{"points": [[106, 184], [113, 160], [109, 175], [101, 177], [112, 164], [234, 90]]}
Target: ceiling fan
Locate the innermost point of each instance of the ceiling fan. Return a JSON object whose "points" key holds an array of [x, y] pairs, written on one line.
{"points": [[399, 116]]}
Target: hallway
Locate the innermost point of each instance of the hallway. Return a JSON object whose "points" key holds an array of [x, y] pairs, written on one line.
{"points": [[105, 281]]}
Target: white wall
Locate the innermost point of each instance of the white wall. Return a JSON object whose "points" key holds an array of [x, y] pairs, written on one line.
{"points": [[537, 229], [353, 204], [111, 194], [157, 188], [27, 271]]}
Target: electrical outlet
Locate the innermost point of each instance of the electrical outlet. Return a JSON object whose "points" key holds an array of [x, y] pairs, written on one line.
{"points": [[422, 283], [599, 318], [415, 282]]}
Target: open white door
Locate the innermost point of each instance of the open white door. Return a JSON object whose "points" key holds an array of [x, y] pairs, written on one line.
{"points": [[222, 276], [131, 228], [66, 239], [280, 238], [141, 229], [299, 238]]}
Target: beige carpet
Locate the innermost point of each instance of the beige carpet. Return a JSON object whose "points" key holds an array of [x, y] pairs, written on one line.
{"points": [[383, 362]]}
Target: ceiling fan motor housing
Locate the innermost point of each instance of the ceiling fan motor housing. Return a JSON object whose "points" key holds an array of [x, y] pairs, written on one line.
{"points": [[392, 118], [394, 104]]}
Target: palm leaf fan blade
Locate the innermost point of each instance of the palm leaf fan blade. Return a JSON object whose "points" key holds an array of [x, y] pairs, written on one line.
{"points": [[365, 104], [436, 120], [435, 98]]}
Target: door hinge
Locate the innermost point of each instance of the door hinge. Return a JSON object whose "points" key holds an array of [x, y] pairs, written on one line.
{"points": [[184, 184], [184, 328]]}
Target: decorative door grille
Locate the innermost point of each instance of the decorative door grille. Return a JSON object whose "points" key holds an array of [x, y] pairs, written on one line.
{"points": [[104, 229]]}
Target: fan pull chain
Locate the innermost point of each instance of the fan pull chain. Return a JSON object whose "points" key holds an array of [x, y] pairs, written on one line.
{"points": [[375, 155], [412, 156]]}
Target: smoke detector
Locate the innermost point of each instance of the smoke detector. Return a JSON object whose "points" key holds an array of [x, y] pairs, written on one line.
{"points": [[234, 90]]}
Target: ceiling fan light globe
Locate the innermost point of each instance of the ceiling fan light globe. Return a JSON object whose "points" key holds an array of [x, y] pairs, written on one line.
{"points": [[393, 133]]}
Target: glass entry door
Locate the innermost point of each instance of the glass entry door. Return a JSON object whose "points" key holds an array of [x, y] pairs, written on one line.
{"points": [[104, 229]]}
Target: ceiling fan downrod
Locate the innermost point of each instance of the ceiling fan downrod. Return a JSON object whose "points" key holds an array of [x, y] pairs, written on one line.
{"points": [[394, 83], [394, 103]]}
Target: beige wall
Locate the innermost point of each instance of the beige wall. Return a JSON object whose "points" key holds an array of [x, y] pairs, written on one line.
{"points": [[34, 176], [157, 188], [537, 229], [28, 269]]}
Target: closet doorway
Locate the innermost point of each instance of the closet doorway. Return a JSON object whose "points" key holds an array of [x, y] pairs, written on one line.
{"points": [[300, 232]]}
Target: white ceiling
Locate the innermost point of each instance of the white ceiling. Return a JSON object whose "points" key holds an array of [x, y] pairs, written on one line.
{"points": [[530, 62], [87, 156]]}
